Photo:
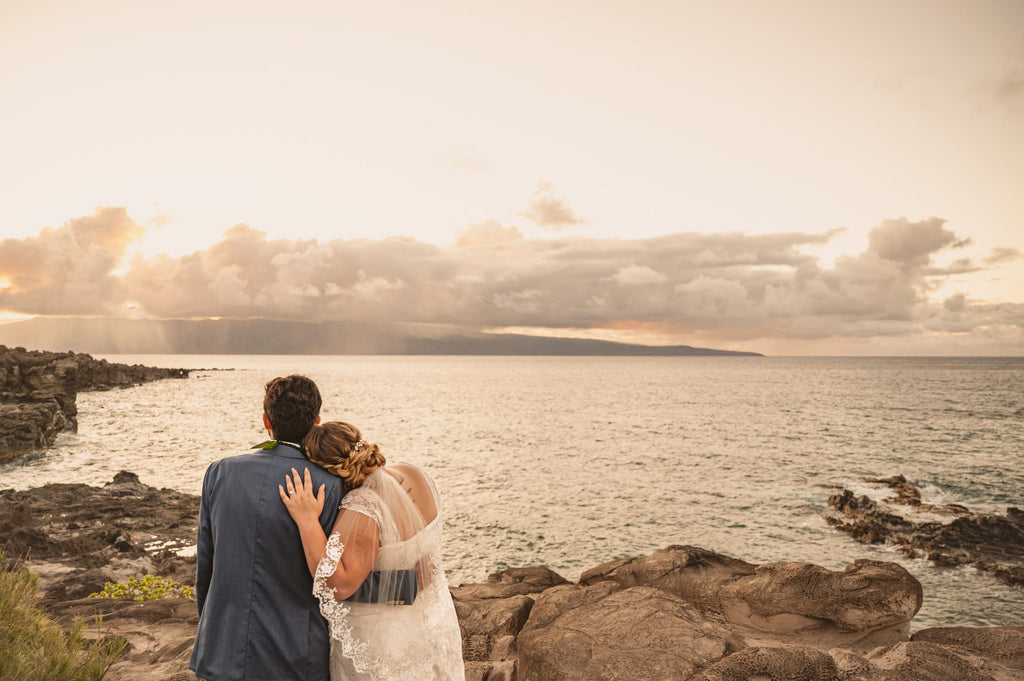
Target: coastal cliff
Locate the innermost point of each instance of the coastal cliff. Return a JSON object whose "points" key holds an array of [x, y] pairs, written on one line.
{"points": [[682, 612], [39, 389]]}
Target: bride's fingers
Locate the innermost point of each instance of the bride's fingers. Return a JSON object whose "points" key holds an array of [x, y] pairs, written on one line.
{"points": [[308, 480], [298, 480], [284, 497]]}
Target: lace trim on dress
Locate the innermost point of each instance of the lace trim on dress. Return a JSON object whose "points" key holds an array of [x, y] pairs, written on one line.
{"points": [[365, 501]]}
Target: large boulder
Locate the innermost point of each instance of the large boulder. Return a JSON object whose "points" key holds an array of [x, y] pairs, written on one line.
{"points": [[510, 582], [868, 604], [489, 631], [491, 616], [923, 661], [782, 663], [689, 572], [1004, 645], [605, 632]]}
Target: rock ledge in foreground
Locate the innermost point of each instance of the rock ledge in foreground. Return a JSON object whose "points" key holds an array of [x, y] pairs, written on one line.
{"points": [[682, 612]]}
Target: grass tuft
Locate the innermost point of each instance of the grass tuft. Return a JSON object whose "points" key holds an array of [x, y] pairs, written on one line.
{"points": [[33, 647]]}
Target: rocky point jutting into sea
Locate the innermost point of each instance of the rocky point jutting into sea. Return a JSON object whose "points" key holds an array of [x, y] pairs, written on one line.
{"points": [[682, 612], [946, 534], [38, 391]]}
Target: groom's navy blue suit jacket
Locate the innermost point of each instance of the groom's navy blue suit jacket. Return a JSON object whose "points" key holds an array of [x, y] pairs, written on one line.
{"points": [[258, 618]]}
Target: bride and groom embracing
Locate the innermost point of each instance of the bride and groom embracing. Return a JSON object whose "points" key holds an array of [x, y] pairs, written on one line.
{"points": [[318, 562]]}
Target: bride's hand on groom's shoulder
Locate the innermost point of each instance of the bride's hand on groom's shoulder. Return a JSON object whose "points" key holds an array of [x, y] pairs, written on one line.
{"points": [[300, 500]]}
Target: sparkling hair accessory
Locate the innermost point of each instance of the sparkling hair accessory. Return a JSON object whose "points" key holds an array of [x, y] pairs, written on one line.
{"points": [[358, 445]]}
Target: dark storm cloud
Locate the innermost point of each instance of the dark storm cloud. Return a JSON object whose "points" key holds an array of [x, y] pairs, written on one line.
{"points": [[725, 286]]}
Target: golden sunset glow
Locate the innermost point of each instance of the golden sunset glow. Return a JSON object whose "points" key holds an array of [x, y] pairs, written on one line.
{"points": [[800, 177]]}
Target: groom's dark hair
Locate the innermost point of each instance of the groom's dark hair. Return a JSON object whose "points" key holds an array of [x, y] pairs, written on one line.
{"points": [[292, 405]]}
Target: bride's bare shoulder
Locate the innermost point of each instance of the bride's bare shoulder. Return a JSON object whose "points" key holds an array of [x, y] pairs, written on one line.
{"points": [[409, 476], [406, 469]]}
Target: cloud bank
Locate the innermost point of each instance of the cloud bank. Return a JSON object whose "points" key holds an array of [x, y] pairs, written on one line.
{"points": [[731, 287]]}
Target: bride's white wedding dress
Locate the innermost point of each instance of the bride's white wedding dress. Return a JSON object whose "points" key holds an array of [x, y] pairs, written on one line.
{"points": [[380, 642]]}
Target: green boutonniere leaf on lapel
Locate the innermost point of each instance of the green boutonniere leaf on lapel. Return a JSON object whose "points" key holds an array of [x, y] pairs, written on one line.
{"points": [[270, 444]]}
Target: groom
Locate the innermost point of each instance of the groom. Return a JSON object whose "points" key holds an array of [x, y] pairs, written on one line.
{"points": [[258, 618]]}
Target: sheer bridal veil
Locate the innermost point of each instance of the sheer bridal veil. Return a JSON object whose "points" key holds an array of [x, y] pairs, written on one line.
{"points": [[387, 634]]}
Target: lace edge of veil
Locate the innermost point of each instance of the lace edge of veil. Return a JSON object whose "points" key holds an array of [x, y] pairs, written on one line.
{"points": [[336, 612]]}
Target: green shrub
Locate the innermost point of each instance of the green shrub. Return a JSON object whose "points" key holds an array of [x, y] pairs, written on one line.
{"points": [[149, 588], [34, 647]]}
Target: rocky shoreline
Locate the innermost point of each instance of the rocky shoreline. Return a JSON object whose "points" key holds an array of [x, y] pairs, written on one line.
{"points": [[679, 613], [946, 534], [39, 389]]}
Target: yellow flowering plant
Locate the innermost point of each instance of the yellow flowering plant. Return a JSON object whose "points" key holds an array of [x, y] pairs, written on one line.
{"points": [[148, 588]]}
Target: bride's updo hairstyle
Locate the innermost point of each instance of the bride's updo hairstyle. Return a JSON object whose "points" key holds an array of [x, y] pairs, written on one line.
{"points": [[339, 448]]}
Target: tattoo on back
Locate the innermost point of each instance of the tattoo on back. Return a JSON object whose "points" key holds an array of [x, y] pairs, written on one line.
{"points": [[408, 490]]}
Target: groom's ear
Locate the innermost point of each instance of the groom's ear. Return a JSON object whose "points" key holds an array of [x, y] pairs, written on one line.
{"points": [[317, 422], [266, 423]]}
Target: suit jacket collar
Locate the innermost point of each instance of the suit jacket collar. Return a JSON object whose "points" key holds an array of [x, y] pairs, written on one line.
{"points": [[287, 451]]}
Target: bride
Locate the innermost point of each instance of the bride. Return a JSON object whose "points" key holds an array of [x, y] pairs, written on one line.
{"points": [[400, 623]]}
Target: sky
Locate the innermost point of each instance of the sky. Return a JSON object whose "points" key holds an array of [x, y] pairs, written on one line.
{"points": [[790, 177]]}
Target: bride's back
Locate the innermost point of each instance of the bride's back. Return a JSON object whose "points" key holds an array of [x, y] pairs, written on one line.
{"points": [[418, 487], [402, 500]]}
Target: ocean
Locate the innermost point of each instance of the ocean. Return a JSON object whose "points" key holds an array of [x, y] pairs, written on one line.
{"points": [[573, 461]]}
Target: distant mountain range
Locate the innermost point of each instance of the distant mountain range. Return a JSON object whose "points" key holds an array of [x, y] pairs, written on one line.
{"points": [[273, 337]]}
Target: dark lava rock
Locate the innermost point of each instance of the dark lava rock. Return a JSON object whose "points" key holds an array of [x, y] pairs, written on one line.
{"points": [[160, 634], [988, 541], [78, 537], [38, 391]]}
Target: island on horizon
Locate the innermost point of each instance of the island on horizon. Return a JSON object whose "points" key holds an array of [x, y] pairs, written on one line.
{"points": [[275, 337]]}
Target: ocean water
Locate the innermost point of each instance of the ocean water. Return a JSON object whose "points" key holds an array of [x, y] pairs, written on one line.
{"points": [[573, 461]]}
